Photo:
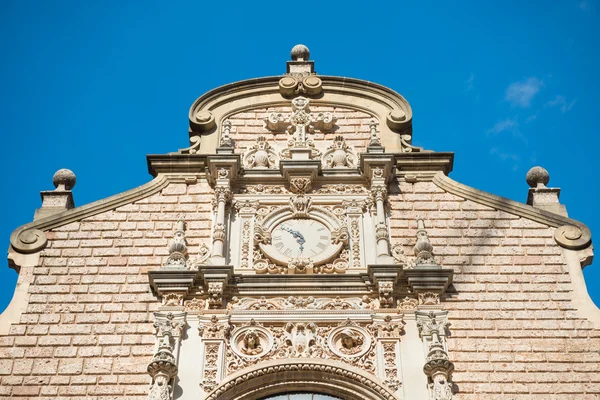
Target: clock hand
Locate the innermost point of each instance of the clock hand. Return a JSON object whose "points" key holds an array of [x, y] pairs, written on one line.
{"points": [[297, 235]]}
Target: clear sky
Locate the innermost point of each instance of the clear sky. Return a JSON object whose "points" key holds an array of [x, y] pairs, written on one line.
{"points": [[94, 86]]}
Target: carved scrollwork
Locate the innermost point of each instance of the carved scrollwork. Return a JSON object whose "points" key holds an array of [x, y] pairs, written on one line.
{"points": [[29, 241], [573, 237], [261, 235]]}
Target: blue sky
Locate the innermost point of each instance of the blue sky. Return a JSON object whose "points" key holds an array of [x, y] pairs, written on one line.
{"points": [[95, 86]]}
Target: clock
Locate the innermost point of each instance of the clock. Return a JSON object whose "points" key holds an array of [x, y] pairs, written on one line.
{"points": [[300, 238]]}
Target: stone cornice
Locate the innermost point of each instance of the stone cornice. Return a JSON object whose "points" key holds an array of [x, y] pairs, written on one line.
{"points": [[571, 234], [176, 164], [31, 237]]}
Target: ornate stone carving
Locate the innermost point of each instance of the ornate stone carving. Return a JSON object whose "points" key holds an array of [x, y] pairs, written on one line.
{"points": [[300, 266], [222, 193], [339, 154], [300, 122], [390, 365], [408, 303], [438, 367], [298, 125], [342, 188], [261, 235], [251, 341], [209, 373], [163, 367], [374, 141], [172, 300], [423, 248], [194, 304], [203, 255], [261, 155], [340, 235], [219, 232], [226, 138], [379, 192], [215, 294], [389, 328], [300, 303], [262, 189], [300, 205], [214, 329], [290, 85], [398, 254], [178, 255], [386, 290], [429, 298], [300, 185]]}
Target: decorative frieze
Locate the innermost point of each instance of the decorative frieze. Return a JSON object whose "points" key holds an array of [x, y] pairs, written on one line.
{"points": [[302, 303]]}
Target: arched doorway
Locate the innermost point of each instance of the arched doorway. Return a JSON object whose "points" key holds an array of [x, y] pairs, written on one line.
{"points": [[301, 396], [286, 377]]}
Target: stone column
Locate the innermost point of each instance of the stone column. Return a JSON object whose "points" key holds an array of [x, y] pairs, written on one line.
{"points": [[163, 367], [379, 193], [214, 333], [432, 327], [222, 197]]}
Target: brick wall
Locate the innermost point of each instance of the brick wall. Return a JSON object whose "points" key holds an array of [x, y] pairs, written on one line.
{"points": [[87, 331], [514, 332]]}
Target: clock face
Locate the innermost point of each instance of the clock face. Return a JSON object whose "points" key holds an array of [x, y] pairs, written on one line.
{"points": [[300, 238]]}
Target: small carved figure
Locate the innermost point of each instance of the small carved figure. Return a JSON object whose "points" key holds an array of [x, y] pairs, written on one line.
{"points": [[351, 342], [252, 345]]}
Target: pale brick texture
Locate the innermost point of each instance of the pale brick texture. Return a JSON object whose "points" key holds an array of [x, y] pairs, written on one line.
{"points": [[87, 332]]}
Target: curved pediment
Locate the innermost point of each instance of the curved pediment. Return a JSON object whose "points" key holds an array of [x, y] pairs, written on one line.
{"points": [[357, 105]]}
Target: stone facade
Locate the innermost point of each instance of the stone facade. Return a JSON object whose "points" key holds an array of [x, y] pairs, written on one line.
{"points": [[426, 288]]}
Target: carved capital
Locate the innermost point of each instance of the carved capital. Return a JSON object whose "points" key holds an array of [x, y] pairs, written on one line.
{"points": [[379, 192], [215, 329]]}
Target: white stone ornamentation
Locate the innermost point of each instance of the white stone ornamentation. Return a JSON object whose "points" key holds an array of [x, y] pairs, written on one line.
{"points": [[261, 155], [340, 155]]}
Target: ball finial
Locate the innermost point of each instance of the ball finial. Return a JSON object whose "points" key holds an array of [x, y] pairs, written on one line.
{"points": [[64, 179], [300, 53], [537, 177]]}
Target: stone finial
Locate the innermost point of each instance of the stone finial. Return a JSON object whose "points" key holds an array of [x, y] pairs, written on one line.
{"points": [[300, 74], [423, 248], [537, 177], [64, 179], [178, 255], [59, 199], [539, 195], [300, 53]]}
